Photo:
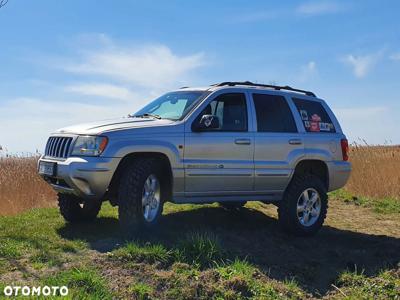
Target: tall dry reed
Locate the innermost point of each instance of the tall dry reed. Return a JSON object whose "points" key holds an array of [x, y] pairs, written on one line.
{"points": [[20, 186], [376, 171]]}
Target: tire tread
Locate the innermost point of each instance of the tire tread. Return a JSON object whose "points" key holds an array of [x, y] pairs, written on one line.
{"points": [[287, 218], [130, 193], [72, 212]]}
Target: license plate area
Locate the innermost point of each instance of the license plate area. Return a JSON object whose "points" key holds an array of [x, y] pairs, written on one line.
{"points": [[48, 168]]}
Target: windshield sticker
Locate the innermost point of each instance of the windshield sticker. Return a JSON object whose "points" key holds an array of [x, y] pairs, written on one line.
{"points": [[304, 115]]}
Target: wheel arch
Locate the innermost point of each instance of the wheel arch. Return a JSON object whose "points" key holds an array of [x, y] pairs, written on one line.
{"points": [[315, 167], [165, 163]]}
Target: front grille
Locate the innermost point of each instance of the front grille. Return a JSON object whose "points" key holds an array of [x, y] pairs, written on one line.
{"points": [[58, 147]]}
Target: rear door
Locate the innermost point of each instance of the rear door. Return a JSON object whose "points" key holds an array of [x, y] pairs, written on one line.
{"points": [[277, 141]]}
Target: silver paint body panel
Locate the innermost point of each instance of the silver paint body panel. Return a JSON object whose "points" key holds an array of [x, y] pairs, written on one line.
{"points": [[206, 166]]}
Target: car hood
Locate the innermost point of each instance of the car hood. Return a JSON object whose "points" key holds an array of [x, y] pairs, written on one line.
{"points": [[113, 125]]}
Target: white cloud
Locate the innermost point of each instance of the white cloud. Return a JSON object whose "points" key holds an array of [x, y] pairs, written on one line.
{"points": [[319, 8], [395, 56], [33, 119], [362, 64], [308, 71], [101, 90], [137, 74], [146, 66]]}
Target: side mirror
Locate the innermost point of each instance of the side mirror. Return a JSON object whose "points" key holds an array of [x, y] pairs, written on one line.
{"points": [[207, 122]]}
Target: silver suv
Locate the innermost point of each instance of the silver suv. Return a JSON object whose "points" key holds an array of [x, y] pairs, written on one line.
{"points": [[229, 143]]}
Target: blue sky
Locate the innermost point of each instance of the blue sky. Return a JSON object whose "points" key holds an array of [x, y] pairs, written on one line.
{"points": [[66, 62]]}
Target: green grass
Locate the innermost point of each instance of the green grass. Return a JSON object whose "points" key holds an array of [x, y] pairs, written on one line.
{"points": [[42, 258], [200, 248], [359, 286], [148, 253], [182, 264], [383, 205], [141, 291], [4, 266], [174, 208], [41, 231], [10, 248], [198, 270], [32, 231], [82, 283], [246, 282]]}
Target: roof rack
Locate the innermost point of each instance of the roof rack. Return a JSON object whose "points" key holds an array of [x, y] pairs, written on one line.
{"points": [[275, 87]]}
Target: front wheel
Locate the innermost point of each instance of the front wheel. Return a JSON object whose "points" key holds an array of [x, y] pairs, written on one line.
{"points": [[140, 195], [303, 208], [74, 209]]}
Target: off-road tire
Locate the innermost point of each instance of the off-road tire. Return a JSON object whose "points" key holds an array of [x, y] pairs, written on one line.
{"points": [[233, 205], [76, 210], [287, 208], [130, 192]]}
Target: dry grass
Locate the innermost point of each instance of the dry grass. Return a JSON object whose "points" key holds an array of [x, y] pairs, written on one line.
{"points": [[375, 174], [376, 171], [20, 186]]}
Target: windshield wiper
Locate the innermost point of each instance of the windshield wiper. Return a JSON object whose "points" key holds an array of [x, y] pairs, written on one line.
{"points": [[146, 115]]}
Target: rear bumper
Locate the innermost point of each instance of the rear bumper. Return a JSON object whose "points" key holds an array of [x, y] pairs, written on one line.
{"points": [[85, 177], [339, 174]]}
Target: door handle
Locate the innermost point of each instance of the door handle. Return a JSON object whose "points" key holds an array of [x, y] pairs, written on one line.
{"points": [[242, 142], [295, 142]]}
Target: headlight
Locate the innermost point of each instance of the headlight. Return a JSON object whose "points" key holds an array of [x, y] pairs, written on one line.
{"points": [[89, 145]]}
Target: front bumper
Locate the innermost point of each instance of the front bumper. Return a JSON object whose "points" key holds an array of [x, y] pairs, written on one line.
{"points": [[85, 177]]}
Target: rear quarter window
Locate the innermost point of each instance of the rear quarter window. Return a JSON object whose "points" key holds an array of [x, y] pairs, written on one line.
{"points": [[314, 116]]}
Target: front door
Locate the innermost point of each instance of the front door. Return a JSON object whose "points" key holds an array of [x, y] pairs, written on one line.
{"points": [[220, 161]]}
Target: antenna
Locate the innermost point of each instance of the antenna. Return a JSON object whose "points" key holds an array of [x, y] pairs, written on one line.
{"points": [[3, 2]]}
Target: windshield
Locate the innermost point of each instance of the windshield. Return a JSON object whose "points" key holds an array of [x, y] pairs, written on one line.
{"points": [[174, 105]]}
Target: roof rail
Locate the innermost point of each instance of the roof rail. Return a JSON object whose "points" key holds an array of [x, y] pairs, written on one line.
{"points": [[275, 87]]}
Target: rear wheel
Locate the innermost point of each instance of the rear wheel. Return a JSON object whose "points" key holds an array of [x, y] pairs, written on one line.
{"points": [[141, 195], [74, 209], [303, 209], [233, 205]]}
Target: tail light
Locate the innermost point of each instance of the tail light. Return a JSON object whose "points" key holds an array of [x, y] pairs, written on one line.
{"points": [[345, 149]]}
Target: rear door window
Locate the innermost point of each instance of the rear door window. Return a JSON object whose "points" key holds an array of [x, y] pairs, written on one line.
{"points": [[314, 116], [273, 114]]}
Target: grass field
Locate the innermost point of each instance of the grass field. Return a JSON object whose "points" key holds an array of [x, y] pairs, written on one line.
{"points": [[206, 252]]}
